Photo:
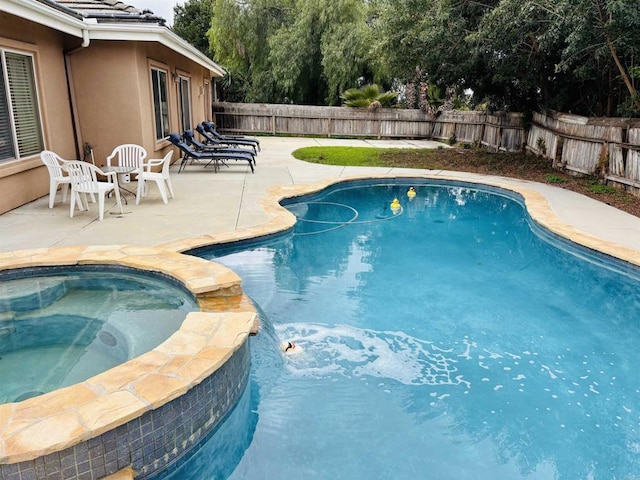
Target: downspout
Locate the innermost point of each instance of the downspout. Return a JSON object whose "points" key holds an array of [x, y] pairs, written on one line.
{"points": [[77, 133]]}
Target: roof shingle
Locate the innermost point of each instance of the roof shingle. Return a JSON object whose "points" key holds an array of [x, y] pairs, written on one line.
{"points": [[108, 10]]}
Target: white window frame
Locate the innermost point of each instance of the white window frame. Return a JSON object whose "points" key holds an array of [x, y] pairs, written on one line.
{"points": [[160, 117], [11, 117]]}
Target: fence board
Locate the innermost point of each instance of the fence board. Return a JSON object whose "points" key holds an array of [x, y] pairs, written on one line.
{"points": [[632, 167], [581, 157]]}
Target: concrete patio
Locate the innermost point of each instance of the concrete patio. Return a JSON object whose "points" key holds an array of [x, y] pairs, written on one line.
{"points": [[208, 203]]}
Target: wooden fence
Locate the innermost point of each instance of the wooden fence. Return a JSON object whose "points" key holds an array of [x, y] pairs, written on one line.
{"points": [[503, 131], [608, 147]]}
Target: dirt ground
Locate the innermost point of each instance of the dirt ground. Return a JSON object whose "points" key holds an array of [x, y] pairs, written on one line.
{"points": [[517, 165]]}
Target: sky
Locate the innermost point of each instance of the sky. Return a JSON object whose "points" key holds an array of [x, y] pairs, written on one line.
{"points": [[164, 8]]}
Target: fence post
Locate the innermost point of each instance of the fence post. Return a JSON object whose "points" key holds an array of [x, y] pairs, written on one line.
{"points": [[328, 127], [273, 124]]}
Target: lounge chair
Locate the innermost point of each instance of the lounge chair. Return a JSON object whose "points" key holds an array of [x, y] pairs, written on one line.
{"points": [[210, 128], [212, 157], [214, 130], [190, 139], [211, 140]]}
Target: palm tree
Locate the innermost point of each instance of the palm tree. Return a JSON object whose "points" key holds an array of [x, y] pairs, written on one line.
{"points": [[369, 96]]}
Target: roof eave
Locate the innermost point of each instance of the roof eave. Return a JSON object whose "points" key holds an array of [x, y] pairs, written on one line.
{"points": [[45, 15], [38, 12], [153, 33]]}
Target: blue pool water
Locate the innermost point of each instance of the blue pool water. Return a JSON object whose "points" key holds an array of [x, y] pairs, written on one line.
{"points": [[60, 326], [451, 340]]}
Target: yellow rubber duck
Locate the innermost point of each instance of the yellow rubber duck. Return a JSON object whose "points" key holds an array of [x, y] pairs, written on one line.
{"points": [[395, 206], [411, 193]]}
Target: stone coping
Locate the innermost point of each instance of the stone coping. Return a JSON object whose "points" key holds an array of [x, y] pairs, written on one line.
{"points": [[282, 220], [206, 340], [125, 474]]}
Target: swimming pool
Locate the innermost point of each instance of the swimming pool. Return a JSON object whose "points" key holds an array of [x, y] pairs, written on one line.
{"points": [[61, 326], [449, 339]]}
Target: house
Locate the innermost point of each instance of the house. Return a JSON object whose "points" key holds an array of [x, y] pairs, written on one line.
{"points": [[80, 77]]}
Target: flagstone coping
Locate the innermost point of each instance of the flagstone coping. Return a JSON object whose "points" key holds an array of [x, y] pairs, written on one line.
{"points": [[124, 474], [205, 341]]}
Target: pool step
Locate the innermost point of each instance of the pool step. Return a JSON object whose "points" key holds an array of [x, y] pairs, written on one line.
{"points": [[30, 294]]}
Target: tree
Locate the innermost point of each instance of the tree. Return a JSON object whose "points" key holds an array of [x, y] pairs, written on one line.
{"points": [[192, 21], [568, 55], [563, 54], [367, 97], [325, 49], [303, 51], [520, 47], [425, 41], [239, 35], [572, 55], [603, 43]]}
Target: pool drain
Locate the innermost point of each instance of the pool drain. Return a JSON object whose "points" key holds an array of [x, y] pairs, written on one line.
{"points": [[108, 339]]}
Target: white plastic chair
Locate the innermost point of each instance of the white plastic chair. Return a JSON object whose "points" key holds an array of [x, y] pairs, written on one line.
{"points": [[160, 177], [128, 156], [84, 179], [56, 175]]}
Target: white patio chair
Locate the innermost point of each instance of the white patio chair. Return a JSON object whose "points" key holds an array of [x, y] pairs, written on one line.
{"points": [[129, 159], [57, 176], [84, 179], [160, 177]]}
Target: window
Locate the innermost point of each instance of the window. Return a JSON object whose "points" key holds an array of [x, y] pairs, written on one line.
{"points": [[20, 124], [185, 103], [160, 103]]}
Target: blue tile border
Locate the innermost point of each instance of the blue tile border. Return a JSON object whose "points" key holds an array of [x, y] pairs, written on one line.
{"points": [[153, 442]]}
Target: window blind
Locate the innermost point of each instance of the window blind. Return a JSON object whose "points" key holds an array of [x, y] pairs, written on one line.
{"points": [[6, 136], [24, 104]]}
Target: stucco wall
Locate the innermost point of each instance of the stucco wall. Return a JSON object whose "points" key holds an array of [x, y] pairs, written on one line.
{"points": [[112, 81], [22, 181], [107, 94]]}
